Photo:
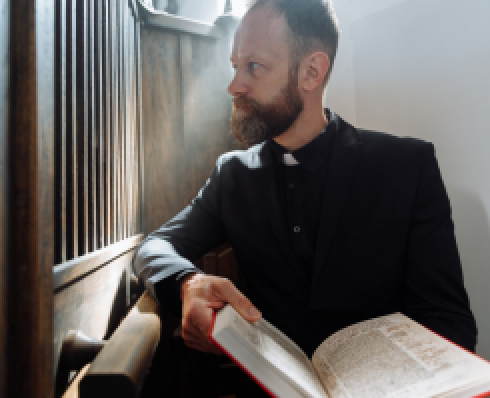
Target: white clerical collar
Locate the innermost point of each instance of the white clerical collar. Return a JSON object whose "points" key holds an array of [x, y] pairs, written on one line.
{"points": [[289, 160]]}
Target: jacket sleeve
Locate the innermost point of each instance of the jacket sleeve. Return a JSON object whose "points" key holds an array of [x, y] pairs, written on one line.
{"points": [[435, 295], [167, 254]]}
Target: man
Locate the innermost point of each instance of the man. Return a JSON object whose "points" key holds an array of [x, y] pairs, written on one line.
{"points": [[330, 224]]}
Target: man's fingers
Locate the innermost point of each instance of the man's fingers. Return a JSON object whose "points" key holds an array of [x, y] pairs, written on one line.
{"points": [[201, 317], [227, 292], [193, 338]]}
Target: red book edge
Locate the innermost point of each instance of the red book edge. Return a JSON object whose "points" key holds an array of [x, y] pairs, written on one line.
{"points": [[243, 368], [481, 395], [240, 365]]}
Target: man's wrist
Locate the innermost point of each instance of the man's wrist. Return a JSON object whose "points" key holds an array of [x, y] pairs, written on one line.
{"points": [[185, 282]]}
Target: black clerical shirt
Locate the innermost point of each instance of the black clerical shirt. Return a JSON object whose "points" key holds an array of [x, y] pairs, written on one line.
{"points": [[302, 191]]}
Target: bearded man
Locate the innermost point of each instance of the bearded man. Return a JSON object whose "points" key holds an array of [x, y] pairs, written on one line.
{"points": [[330, 224]]}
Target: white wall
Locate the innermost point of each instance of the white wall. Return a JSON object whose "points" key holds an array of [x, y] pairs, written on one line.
{"points": [[204, 10], [422, 68]]}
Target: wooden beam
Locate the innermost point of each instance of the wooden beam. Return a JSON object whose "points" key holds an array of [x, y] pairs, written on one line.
{"points": [[92, 129], [4, 78], [141, 163], [107, 65], [71, 132], [82, 66], [115, 119], [31, 209], [99, 207], [60, 131]]}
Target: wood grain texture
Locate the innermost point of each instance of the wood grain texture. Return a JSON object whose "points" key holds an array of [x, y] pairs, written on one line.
{"points": [[94, 305], [120, 126], [92, 129], [72, 390], [125, 131], [163, 154], [99, 208], [4, 101], [31, 188], [121, 366], [60, 132], [72, 270], [186, 113], [106, 97], [71, 132], [114, 119], [141, 173], [82, 66]]}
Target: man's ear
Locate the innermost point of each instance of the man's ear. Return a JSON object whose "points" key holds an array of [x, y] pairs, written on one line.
{"points": [[313, 70]]}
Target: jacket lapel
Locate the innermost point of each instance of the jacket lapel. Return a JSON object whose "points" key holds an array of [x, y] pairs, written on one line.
{"points": [[344, 161]]}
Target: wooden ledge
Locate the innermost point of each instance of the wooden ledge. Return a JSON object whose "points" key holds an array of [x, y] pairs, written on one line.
{"points": [[72, 270], [120, 368]]}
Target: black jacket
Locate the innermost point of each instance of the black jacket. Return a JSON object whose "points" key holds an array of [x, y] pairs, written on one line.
{"points": [[386, 241]]}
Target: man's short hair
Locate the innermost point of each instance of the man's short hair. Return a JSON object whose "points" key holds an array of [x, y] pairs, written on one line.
{"points": [[313, 27]]}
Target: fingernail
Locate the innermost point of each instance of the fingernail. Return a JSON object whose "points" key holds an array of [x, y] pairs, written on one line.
{"points": [[253, 312]]}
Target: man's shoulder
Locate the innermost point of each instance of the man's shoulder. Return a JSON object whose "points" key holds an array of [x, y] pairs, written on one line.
{"points": [[378, 143], [372, 137]]}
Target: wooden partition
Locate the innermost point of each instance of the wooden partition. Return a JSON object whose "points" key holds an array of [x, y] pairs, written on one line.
{"points": [[29, 194], [186, 110], [98, 162], [98, 131], [88, 89]]}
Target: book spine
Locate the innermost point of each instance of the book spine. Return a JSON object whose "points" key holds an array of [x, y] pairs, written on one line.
{"points": [[238, 363]]}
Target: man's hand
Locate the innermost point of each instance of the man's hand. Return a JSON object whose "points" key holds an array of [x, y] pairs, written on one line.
{"points": [[203, 294]]}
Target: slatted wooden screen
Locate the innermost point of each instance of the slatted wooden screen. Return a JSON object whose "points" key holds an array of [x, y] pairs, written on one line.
{"points": [[98, 125]]}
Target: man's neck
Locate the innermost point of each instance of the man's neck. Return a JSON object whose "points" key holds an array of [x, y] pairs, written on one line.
{"points": [[309, 124]]}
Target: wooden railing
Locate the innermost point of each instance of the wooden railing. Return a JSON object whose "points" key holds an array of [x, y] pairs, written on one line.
{"points": [[98, 134]]}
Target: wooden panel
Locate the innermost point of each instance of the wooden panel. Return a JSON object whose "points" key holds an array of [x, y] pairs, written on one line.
{"points": [[93, 305], [115, 119], [163, 154], [141, 174], [82, 124], [206, 73], [124, 116], [60, 132], [120, 126], [4, 74], [186, 113], [130, 143], [31, 188], [99, 207], [72, 249], [107, 67], [92, 128]]}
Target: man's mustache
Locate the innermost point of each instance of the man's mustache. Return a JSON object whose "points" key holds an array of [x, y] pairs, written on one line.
{"points": [[241, 102]]}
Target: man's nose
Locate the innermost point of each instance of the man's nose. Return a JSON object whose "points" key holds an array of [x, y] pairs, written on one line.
{"points": [[238, 87]]}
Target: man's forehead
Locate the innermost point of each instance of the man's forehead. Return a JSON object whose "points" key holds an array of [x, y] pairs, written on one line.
{"points": [[262, 30]]}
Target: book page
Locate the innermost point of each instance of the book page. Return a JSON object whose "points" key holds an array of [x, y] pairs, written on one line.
{"points": [[279, 351], [393, 356]]}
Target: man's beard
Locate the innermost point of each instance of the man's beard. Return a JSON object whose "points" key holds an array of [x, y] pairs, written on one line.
{"points": [[262, 122]]}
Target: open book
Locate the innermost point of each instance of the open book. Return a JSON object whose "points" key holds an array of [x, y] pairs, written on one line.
{"points": [[390, 356]]}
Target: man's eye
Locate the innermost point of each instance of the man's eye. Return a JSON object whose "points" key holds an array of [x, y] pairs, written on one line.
{"points": [[253, 66]]}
